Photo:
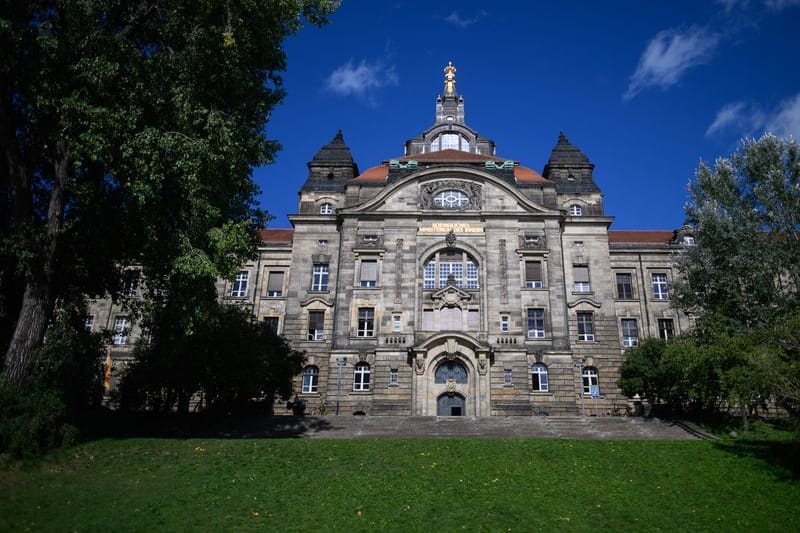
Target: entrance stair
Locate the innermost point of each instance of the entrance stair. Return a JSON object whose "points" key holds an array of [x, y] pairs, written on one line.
{"points": [[564, 427]]}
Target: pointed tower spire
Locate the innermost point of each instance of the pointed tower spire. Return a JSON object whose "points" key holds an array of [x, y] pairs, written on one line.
{"points": [[331, 166]]}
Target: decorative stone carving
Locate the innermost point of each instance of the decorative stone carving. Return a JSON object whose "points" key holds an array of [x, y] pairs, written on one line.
{"points": [[503, 272], [369, 240], [532, 242], [398, 269], [505, 165], [451, 239], [450, 296], [419, 363], [473, 190], [451, 386], [483, 364]]}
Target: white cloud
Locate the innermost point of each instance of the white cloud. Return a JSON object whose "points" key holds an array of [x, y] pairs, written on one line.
{"points": [[742, 120], [457, 20], [738, 117], [786, 119], [361, 80], [669, 55]]}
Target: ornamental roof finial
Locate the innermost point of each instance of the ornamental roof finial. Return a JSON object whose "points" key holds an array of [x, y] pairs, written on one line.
{"points": [[449, 78]]}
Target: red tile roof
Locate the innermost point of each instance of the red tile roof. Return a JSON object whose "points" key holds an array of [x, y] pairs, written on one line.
{"points": [[527, 175], [373, 174], [277, 235], [640, 236]]}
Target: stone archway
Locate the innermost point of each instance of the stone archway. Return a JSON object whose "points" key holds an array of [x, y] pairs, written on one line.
{"points": [[453, 350], [451, 405]]}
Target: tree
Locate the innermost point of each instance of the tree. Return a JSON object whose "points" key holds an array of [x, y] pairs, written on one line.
{"points": [[128, 131], [745, 214], [227, 360], [742, 279]]}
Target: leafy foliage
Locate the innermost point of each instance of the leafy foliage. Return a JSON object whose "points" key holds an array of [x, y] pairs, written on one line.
{"points": [[225, 361]]}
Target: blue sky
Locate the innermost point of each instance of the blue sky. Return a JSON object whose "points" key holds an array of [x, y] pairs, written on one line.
{"points": [[645, 89]]}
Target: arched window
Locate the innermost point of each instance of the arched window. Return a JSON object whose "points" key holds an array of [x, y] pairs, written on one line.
{"points": [[310, 379], [450, 141], [326, 209], [539, 377], [591, 385], [361, 377], [450, 370], [450, 263], [575, 210]]}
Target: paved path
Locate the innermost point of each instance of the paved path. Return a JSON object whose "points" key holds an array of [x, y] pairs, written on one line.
{"points": [[349, 426]]}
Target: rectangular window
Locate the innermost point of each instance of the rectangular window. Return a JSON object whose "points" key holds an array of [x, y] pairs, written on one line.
{"points": [[319, 278], [535, 323], [275, 285], [272, 323], [88, 322], [533, 274], [472, 275], [130, 285], [581, 275], [397, 324], [366, 322], [507, 377], [427, 320], [316, 320], [239, 287], [369, 273], [393, 377], [473, 320], [451, 269], [660, 291], [585, 327], [121, 330], [630, 332], [665, 328], [504, 323], [624, 286]]}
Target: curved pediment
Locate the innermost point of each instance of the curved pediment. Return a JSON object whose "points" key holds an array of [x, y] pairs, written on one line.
{"points": [[482, 192]]}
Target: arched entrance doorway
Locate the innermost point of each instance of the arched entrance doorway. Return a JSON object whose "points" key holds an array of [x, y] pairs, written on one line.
{"points": [[451, 405]]}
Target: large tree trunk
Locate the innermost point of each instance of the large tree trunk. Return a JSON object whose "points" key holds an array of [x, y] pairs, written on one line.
{"points": [[38, 300]]}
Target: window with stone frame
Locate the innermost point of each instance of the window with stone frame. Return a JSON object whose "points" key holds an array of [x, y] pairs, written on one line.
{"points": [[272, 323], [122, 327], [505, 323], [533, 275], [443, 264], [591, 382], [539, 381], [361, 377], [368, 276], [507, 377], [130, 284], [585, 326], [535, 323], [666, 328], [239, 286], [275, 284], [575, 210], [88, 323], [630, 332], [326, 209], [310, 379], [660, 290], [316, 321], [366, 322], [397, 324], [393, 377], [624, 286], [581, 278], [319, 277]]}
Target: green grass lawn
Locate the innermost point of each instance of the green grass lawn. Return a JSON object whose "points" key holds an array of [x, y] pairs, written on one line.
{"points": [[403, 484]]}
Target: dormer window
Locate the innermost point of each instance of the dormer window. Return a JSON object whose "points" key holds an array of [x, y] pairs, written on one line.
{"points": [[575, 210], [370, 237], [450, 141], [688, 240], [326, 209]]}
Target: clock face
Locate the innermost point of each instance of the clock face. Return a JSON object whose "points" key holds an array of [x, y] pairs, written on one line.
{"points": [[451, 199]]}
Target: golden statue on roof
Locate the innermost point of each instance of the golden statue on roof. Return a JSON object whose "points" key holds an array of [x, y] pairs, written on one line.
{"points": [[449, 78]]}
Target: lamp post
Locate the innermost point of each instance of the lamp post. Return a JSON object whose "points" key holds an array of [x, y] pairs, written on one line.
{"points": [[579, 366], [340, 362]]}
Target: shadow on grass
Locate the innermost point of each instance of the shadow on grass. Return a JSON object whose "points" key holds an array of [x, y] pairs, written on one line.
{"points": [[781, 456], [106, 423]]}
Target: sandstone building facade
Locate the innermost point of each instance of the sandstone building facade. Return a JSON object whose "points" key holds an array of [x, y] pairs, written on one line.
{"points": [[452, 281]]}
